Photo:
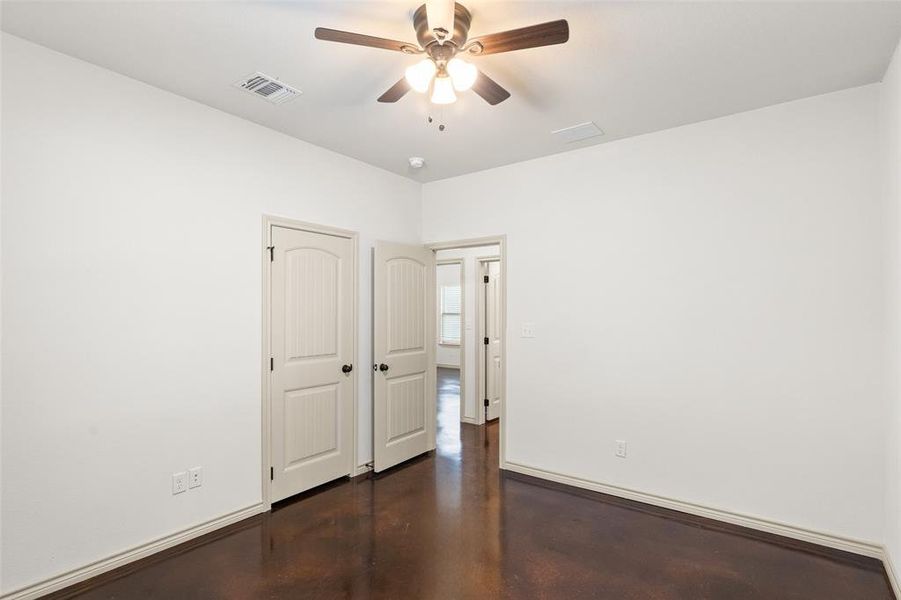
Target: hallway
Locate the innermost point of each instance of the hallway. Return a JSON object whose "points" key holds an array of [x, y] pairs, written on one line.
{"points": [[449, 525]]}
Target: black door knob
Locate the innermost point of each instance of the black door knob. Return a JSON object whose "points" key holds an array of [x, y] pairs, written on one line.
{"points": [[383, 367], [347, 368]]}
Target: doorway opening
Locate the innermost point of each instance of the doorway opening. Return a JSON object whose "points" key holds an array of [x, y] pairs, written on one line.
{"points": [[469, 371], [408, 324]]}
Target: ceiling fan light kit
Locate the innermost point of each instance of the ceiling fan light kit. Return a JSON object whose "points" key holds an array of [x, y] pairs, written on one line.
{"points": [[442, 32]]}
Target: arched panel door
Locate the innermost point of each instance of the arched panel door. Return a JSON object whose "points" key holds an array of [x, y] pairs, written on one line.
{"points": [[311, 378], [403, 352]]}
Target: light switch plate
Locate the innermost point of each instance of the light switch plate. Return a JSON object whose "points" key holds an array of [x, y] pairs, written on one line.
{"points": [[528, 330]]}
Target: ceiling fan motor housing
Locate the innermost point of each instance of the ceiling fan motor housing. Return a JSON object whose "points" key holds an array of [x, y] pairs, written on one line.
{"points": [[425, 37]]}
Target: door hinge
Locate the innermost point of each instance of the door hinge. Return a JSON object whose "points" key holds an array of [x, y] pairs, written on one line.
{"points": [[486, 341], [487, 404], [271, 364], [486, 279], [271, 474], [271, 250]]}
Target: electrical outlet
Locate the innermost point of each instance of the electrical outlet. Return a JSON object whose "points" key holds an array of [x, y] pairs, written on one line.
{"points": [[621, 448], [179, 482], [195, 477], [528, 330]]}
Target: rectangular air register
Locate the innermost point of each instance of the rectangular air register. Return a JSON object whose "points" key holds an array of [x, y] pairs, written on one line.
{"points": [[268, 88], [577, 133]]}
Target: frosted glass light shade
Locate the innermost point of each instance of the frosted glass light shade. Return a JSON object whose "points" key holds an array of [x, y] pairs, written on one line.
{"points": [[443, 91], [419, 76], [462, 74]]}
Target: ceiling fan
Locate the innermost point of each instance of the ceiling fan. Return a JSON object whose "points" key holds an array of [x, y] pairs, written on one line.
{"points": [[442, 29]]}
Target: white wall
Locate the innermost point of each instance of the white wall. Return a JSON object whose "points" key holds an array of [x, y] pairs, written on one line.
{"points": [[711, 294], [469, 390], [131, 249], [890, 125], [446, 355]]}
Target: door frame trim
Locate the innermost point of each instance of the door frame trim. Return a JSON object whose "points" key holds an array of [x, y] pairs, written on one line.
{"points": [[501, 242], [270, 221], [462, 346]]}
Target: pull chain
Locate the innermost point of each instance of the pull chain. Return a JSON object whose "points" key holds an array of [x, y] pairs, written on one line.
{"points": [[441, 126]]}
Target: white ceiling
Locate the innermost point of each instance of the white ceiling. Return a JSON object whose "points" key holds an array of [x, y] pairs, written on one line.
{"points": [[631, 67]]}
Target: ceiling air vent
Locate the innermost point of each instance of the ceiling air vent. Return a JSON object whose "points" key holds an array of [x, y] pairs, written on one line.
{"points": [[577, 133], [268, 88]]}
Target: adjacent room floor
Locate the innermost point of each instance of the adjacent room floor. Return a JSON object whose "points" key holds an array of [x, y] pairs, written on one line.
{"points": [[450, 525], [448, 434]]}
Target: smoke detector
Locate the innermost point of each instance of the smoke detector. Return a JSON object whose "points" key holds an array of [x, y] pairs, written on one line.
{"points": [[268, 88], [417, 162]]}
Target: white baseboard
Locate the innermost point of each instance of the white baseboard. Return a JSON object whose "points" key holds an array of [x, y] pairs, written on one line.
{"points": [[890, 571], [440, 366], [123, 558], [799, 533], [469, 420]]}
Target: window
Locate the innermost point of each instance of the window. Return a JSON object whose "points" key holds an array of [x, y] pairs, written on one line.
{"points": [[449, 332]]}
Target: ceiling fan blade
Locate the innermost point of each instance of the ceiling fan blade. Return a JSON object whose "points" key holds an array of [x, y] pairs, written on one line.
{"points": [[489, 89], [396, 91], [544, 34], [346, 37]]}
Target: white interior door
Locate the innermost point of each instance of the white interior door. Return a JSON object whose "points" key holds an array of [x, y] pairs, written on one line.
{"points": [[493, 333], [403, 352], [311, 344]]}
